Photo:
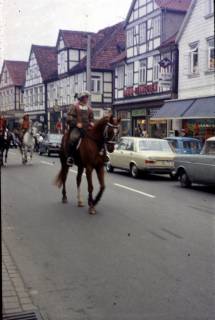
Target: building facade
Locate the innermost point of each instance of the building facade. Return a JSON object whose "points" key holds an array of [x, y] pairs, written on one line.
{"points": [[42, 67], [146, 76], [72, 71], [194, 110], [11, 90]]}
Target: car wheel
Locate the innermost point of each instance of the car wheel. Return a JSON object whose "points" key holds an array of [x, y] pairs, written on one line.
{"points": [[184, 180], [49, 153], [109, 167], [134, 171]]}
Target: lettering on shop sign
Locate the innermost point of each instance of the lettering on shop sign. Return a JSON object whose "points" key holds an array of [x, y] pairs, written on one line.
{"points": [[141, 90]]}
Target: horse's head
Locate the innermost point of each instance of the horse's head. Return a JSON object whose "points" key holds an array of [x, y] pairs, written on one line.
{"points": [[111, 132]]}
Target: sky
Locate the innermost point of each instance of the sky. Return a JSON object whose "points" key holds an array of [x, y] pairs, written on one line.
{"points": [[37, 21]]}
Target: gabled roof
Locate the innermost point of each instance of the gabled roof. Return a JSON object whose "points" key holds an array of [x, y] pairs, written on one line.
{"points": [[74, 39], [107, 44], [120, 58], [186, 20], [16, 71], [176, 5], [46, 57]]}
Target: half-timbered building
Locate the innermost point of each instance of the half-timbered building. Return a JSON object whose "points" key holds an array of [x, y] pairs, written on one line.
{"points": [[145, 76], [12, 81], [72, 69], [42, 67]]}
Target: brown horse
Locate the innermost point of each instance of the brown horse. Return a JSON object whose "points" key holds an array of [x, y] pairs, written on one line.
{"points": [[89, 157]]}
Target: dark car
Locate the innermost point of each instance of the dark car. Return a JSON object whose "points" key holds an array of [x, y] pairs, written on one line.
{"points": [[50, 144], [185, 145]]}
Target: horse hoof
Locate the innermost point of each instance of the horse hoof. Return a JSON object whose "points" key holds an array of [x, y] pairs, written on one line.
{"points": [[80, 204], [64, 200], [92, 211]]}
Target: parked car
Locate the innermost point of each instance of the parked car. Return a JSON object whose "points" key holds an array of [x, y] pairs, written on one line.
{"points": [[185, 145], [199, 168], [142, 154], [50, 144]]}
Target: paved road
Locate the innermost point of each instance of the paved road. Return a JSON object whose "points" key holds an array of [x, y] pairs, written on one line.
{"points": [[147, 255]]}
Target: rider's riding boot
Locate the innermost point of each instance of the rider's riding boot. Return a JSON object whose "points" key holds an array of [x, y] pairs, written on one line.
{"points": [[70, 159]]}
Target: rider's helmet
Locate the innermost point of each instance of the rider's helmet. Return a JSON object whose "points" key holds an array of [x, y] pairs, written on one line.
{"points": [[26, 116], [83, 95]]}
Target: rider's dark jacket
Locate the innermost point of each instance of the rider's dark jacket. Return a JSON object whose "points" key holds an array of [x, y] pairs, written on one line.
{"points": [[80, 114]]}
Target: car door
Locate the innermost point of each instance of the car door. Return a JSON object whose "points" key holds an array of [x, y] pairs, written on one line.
{"points": [[118, 156]]}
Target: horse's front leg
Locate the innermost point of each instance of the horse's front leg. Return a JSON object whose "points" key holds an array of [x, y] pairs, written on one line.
{"points": [[6, 154], [79, 178], [100, 175], [90, 191]]}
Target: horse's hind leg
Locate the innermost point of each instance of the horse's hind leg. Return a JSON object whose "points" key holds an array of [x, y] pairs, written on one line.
{"points": [[65, 170], [79, 178]]}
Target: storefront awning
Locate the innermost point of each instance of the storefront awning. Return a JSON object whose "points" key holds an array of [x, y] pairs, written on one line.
{"points": [[201, 108], [173, 109]]}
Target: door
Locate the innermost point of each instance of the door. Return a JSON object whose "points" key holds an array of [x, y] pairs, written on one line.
{"points": [[118, 157]]}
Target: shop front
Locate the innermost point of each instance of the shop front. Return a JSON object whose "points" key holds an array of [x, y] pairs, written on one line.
{"points": [[136, 120], [194, 117]]}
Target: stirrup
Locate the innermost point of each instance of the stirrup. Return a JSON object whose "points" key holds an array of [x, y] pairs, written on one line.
{"points": [[70, 161]]}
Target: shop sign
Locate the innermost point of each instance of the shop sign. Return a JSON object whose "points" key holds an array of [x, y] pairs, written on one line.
{"points": [[145, 89], [153, 111], [138, 113]]}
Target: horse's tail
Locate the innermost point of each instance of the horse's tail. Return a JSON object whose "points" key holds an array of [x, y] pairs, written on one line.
{"points": [[60, 178]]}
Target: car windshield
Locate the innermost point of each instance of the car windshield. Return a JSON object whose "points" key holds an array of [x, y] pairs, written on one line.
{"points": [[192, 145], [154, 145], [55, 138]]}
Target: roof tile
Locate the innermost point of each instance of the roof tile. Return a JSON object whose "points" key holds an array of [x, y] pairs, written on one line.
{"points": [[47, 60], [17, 71]]}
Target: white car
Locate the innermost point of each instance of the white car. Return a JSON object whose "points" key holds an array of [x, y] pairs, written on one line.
{"points": [[142, 154]]}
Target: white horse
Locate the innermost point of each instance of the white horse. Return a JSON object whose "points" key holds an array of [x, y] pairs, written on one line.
{"points": [[28, 145]]}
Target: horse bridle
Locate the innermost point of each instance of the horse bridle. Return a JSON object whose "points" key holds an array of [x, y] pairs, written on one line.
{"points": [[114, 139]]}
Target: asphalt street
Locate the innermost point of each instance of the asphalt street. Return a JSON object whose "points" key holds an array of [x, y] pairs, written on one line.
{"points": [[148, 254]]}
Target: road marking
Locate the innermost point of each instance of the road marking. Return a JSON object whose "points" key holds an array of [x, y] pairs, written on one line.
{"points": [[47, 163], [134, 190], [74, 171]]}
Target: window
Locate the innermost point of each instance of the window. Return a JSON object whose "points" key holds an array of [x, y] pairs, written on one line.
{"points": [[209, 7], [142, 32], [130, 38], [156, 27], [194, 58], [156, 68], [41, 95], [121, 75], [211, 54], [96, 84], [36, 96], [31, 97], [130, 72], [142, 71]]}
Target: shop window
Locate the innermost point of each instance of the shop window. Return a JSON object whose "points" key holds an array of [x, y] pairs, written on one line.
{"points": [[142, 71], [194, 59], [142, 33], [211, 54], [156, 68], [130, 38]]}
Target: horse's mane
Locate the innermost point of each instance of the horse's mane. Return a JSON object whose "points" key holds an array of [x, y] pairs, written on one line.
{"points": [[101, 123]]}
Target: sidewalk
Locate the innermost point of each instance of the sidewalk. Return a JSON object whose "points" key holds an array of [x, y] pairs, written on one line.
{"points": [[15, 296]]}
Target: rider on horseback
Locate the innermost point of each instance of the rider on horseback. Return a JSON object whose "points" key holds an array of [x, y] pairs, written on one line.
{"points": [[80, 118], [3, 124]]}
